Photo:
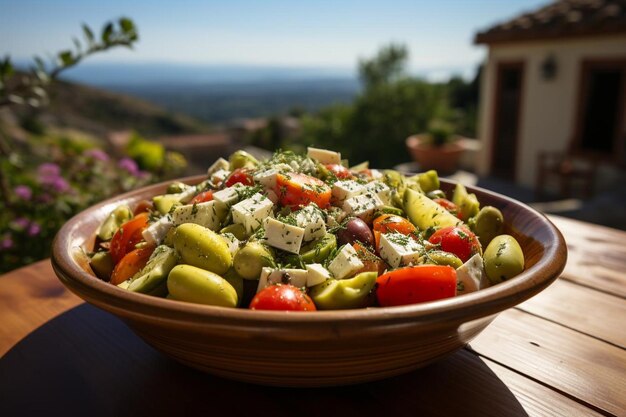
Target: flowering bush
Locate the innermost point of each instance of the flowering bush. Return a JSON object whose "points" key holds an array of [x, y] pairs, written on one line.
{"points": [[49, 185]]}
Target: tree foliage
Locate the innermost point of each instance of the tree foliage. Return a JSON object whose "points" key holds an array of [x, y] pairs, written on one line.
{"points": [[30, 88], [391, 107]]}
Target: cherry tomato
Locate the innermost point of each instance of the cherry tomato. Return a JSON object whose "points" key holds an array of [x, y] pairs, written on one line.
{"points": [[296, 190], [392, 223], [449, 205], [339, 171], [284, 297], [127, 236], [415, 284], [370, 261], [202, 197], [241, 176], [130, 264], [458, 240]]}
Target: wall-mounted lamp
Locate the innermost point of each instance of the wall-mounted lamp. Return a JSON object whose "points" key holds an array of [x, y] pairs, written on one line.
{"points": [[549, 68]]}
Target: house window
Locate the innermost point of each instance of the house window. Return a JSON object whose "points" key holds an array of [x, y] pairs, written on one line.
{"points": [[601, 109]]}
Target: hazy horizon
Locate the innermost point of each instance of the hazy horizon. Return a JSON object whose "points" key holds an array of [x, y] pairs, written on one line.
{"points": [[327, 37]]}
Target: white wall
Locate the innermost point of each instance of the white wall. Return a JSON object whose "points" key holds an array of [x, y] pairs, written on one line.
{"points": [[549, 108]]}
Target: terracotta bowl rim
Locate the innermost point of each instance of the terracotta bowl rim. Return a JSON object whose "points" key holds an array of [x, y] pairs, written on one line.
{"points": [[458, 309]]}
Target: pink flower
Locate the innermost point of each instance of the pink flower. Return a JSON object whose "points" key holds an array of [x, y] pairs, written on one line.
{"points": [[97, 154], [60, 185], [6, 242], [21, 222], [34, 229], [129, 166], [24, 192], [47, 171]]}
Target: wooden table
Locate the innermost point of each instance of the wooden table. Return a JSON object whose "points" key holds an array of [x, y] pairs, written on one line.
{"points": [[560, 353]]}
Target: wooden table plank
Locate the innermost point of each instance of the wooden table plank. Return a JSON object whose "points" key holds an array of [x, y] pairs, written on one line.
{"points": [[572, 363], [29, 297], [596, 255], [592, 312], [537, 399]]}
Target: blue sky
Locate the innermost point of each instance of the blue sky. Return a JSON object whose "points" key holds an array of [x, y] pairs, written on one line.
{"points": [[331, 34]]}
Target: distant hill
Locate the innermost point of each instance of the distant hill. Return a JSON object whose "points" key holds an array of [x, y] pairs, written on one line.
{"points": [[98, 112]]}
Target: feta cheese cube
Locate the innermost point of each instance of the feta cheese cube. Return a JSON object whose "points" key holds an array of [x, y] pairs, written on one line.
{"points": [[266, 178], [187, 194], [376, 174], [343, 190], [324, 156], [232, 242], [363, 206], [271, 195], [346, 263], [380, 189], [471, 275], [251, 211], [310, 218], [316, 274], [283, 236], [398, 249], [208, 214], [219, 176], [220, 164], [155, 233], [227, 196], [295, 277]]}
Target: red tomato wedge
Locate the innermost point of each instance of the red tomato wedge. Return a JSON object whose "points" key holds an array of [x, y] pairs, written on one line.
{"points": [[449, 205], [239, 176], [284, 297], [370, 261], [130, 264], [297, 190], [339, 171], [127, 236], [458, 240], [203, 197], [386, 223], [416, 284]]}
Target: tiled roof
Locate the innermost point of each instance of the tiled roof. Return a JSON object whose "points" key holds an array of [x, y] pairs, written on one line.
{"points": [[561, 19]]}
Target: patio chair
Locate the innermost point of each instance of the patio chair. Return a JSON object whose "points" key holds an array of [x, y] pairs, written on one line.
{"points": [[566, 168]]}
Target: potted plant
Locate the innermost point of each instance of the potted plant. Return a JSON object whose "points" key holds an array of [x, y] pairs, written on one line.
{"points": [[438, 148]]}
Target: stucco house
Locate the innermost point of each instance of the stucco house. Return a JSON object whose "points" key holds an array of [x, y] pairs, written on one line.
{"points": [[554, 80]]}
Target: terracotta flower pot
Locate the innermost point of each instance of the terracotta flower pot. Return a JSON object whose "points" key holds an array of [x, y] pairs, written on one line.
{"points": [[445, 159]]}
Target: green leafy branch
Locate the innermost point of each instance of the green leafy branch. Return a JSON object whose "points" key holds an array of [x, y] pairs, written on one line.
{"points": [[29, 88]]}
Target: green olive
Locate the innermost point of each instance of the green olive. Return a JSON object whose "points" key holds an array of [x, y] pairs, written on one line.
{"points": [[236, 281], [340, 294], [488, 224], [439, 257], [250, 259], [102, 265], [503, 259], [202, 247], [237, 229], [176, 187], [117, 217], [196, 285], [318, 250], [242, 159]]}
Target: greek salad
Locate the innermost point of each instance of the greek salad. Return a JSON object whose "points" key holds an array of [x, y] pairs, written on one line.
{"points": [[303, 233]]}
